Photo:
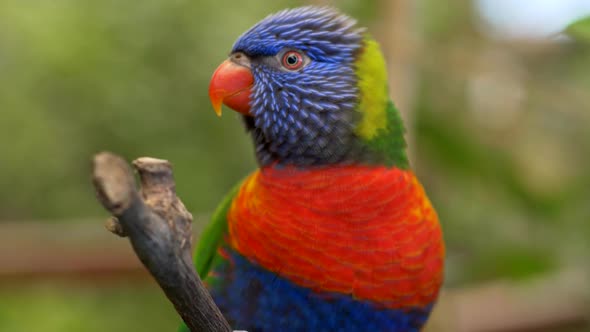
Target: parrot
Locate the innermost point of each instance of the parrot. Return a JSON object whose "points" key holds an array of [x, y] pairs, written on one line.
{"points": [[333, 231]]}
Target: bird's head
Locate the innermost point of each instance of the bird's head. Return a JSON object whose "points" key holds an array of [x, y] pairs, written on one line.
{"points": [[312, 88]]}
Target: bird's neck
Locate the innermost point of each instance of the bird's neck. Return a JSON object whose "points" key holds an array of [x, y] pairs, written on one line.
{"points": [[365, 130]]}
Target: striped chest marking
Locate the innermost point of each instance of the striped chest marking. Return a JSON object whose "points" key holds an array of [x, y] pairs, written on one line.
{"points": [[369, 232]]}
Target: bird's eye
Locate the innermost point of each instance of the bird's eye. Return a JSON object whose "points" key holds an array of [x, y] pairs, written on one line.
{"points": [[292, 60]]}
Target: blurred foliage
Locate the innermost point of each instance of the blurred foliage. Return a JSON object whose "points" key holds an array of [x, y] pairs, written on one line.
{"points": [[74, 308], [503, 148], [83, 76], [501, 128], [580, 29]]}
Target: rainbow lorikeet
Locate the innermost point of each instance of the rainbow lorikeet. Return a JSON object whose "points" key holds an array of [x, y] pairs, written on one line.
{"points": [[333, 232]]}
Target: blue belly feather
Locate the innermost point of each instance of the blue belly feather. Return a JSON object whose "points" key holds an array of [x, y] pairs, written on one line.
{"points": [[257, 300]]}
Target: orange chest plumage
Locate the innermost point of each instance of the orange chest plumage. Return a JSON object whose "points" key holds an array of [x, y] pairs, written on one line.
{"points": [[362, 230]]}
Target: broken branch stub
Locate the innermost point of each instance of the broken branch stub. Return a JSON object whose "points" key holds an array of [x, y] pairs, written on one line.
{"points": [[159, 229]]}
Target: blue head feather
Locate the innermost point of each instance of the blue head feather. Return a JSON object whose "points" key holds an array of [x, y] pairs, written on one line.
{"points": [[323, 33], [304, 117]]}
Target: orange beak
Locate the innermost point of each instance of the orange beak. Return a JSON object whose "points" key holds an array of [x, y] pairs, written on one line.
{"points": [[231, 85]]}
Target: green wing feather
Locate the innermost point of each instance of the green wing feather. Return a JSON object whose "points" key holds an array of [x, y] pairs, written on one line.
{"points": [[211, 238], [212, 235]]}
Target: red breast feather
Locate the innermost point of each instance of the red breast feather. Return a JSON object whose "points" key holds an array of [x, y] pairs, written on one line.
{"points": [[361, 230]]}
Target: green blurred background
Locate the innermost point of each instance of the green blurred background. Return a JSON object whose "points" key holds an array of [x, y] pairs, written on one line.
{"points": [[496, 100]]}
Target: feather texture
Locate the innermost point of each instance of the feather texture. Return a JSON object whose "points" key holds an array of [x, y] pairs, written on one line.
{"points": [[306, 245]]}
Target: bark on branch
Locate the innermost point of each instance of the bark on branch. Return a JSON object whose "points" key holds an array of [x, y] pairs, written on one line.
{"points": [[159, 229]]}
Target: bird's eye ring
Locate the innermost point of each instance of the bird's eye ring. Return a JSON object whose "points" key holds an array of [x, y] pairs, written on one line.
{"points": [[292, 60]]}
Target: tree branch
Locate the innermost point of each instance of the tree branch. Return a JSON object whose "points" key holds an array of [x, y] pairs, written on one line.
{"points": [[159, 229]]}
